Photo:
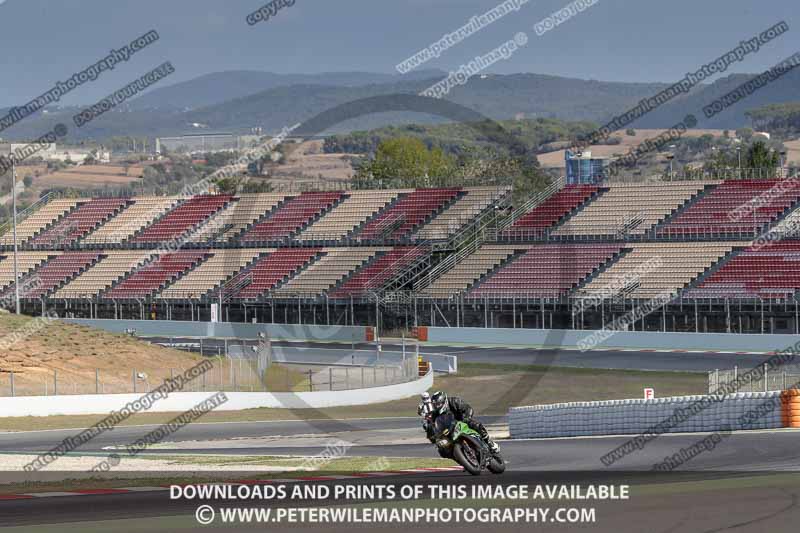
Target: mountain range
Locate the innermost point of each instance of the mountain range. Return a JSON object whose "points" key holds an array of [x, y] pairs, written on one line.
{"points": [[237, 101]]}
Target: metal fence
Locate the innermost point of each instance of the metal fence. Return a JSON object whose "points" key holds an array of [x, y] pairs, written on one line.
{"points": [[333, 378], [247, 368], [787, 376]]}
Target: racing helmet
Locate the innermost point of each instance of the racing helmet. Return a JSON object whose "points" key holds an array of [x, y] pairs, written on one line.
{"points": [[439, 401]]}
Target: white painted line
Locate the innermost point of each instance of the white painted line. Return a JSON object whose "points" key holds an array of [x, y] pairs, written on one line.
{"points": [[52, 494]]}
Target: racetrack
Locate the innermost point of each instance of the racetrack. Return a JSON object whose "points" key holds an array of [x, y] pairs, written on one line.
{"points": [[529, 461], [333, 353], [772, 450]]}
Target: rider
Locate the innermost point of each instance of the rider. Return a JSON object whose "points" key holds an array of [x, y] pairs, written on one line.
{"points": [[425, 410], [461, 410]]}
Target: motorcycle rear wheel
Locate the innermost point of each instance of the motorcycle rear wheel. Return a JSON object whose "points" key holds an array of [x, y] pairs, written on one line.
{"points": [[464, 460]]}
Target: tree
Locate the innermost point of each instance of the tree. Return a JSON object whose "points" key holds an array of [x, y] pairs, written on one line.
{"points": [[405, 162], [28, 181], [630, 132], [761, 157], [256, 185], [229, 185], [744, 134]]}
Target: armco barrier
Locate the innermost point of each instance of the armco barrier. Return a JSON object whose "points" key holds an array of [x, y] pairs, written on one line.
{"points": [[643, 340], [103, 404], [632, 417], [231, 330]]}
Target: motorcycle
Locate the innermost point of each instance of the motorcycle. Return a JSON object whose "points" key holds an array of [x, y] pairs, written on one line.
{"points": [[457, 441]]}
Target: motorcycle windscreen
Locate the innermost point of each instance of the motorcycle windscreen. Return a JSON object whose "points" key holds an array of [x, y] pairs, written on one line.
{"points": [[444, 424]]}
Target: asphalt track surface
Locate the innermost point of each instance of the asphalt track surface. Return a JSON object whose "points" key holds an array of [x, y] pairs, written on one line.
{"points": [[773, 450], [771, 503], [742, 484], [772, 454], [332, 353]]}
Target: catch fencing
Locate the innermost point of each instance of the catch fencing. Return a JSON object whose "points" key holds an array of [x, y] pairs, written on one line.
{"points": [[771, 380]]}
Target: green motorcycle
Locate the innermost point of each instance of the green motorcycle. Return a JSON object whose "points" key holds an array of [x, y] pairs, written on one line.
{"points": [[457, 441]]}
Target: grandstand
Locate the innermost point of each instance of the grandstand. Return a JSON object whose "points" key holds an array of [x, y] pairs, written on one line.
{"points": [[425, 256]]}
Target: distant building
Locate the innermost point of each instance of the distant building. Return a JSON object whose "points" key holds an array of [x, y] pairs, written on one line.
{"points": [[583, 168], [46, 150], [79, 156]]}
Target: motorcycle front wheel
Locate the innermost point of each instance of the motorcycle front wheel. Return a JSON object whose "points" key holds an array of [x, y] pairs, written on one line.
{"points": [[467, 456], [496, 464]]}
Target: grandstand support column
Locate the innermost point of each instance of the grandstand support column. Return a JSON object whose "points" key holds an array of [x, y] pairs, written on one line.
{"points": [[727, 316], [377, 318], [416, 320], [486, 311], [762, 315], [696, 319], [299, 311], [327, 311], [796, 325], [602, 314], [541, 305], [664, 318], [514, 311]]}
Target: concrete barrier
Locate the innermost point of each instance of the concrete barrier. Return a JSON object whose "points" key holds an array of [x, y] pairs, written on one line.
{"points": [[639, 340], [744, 410], [442, 363], [230, 330], [104, 404]]}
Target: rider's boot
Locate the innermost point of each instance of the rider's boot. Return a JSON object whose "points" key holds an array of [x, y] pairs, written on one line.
{"points": [[493, 447]]}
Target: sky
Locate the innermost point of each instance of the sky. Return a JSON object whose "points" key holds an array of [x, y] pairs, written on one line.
{"points": [[44, 41]]}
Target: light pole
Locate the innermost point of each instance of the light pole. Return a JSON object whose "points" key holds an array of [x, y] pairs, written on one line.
{"points": [[739, 153], [14, 231], [671, 157]]}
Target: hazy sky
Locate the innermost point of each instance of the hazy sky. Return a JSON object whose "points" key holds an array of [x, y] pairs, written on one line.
{"points": [[617, 40]]}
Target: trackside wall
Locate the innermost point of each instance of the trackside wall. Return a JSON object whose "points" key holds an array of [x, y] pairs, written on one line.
{"points": [[103, 404], [639, 340], [233, 330]]}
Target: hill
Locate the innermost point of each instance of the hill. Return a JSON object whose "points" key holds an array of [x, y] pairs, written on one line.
{"points": [[172, 110], [74, 352], [219, 87]]}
